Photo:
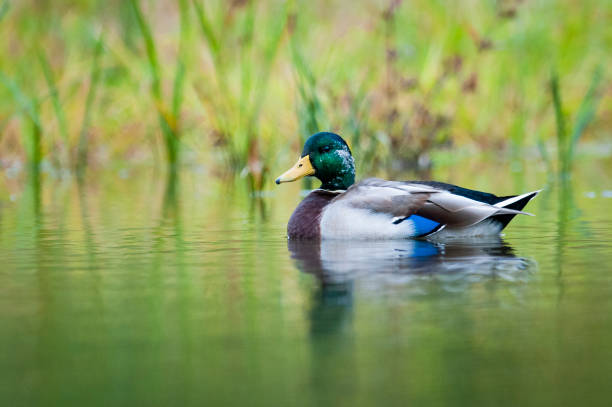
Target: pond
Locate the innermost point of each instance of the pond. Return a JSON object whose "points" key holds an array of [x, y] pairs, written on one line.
{"points": [[126, 290]]}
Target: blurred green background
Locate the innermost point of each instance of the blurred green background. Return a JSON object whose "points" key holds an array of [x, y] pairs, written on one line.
{"points": [[236, 86], [128, 290]]}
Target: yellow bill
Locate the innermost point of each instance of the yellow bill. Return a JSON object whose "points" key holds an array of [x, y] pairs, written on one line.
{"points": [[301, 169]]}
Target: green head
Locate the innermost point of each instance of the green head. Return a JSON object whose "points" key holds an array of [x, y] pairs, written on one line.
{"points": [[327, 157]]}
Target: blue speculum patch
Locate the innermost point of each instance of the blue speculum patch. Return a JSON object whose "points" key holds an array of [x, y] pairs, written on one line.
{"points": [[423, 226]]}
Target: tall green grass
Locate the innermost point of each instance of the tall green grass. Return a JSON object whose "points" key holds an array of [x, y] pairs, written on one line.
{"points": [[310, 111], [567, 142], [237, 121], [54, 96], [94, 80], [32, 128], [242, 83], [57, 105], [169, 117]]}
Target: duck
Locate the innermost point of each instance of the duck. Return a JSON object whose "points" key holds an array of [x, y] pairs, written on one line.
{"points": [[375, 208]]}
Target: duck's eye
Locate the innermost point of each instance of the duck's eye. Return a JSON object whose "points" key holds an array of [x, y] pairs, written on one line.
{"points": [[324, 149]]}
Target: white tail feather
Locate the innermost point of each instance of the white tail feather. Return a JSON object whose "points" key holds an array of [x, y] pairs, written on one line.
{"points": [[514, 199]]}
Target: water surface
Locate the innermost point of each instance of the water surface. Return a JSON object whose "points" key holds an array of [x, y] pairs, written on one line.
{"points": [[129, 291]]}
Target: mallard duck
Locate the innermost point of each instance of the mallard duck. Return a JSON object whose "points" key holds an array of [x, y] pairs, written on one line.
{"points": [[380, 209]]}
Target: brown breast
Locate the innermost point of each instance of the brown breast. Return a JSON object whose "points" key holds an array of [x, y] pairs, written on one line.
{"points": [[305, 221]]}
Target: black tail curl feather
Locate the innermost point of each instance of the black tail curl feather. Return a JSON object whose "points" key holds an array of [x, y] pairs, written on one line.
{"points": [[518, 205]]}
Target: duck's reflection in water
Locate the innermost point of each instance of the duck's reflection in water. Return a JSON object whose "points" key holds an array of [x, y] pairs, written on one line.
{"points": [[337, 261], [402, 267], [382, 274]]}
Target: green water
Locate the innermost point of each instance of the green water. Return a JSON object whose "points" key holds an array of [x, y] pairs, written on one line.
{"points": [[127, 291]]}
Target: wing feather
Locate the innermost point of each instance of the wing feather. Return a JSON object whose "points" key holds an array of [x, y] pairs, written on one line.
{"points": [[401, 199], [386, 197]]}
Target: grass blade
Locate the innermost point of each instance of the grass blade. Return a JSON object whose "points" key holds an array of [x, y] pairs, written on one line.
{"points": [[23, 101], [207, 29], [166, 120], [270, 52], [30, 107], [246, 68], [151, 51], [179, 78], [560, 123], [53, 92], [94, 79], [586, 113]]}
